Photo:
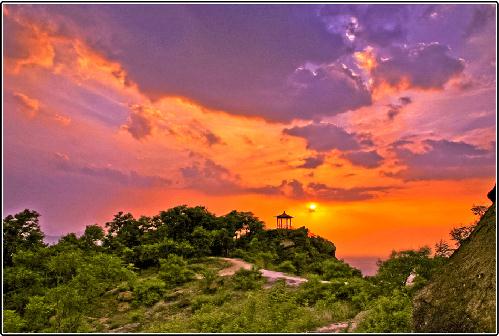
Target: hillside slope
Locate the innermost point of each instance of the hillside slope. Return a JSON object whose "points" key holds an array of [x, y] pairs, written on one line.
{"points": [[462, 297]]}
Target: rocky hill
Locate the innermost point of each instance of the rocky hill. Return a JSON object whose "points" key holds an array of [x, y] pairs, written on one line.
{"points": [[462, 297]]}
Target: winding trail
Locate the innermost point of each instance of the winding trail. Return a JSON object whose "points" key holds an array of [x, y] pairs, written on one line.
{"points": [[271, 276]]}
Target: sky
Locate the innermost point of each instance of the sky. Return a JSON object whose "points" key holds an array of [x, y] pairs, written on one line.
{"points": [[382, 115]]}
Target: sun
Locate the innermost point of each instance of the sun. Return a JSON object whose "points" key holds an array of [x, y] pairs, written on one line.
{"points": [[312, 207]]}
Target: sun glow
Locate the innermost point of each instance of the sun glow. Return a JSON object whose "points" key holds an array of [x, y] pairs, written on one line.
{"points": [[312, 207]]}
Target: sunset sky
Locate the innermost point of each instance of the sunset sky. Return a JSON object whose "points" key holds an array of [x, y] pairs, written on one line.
{"points": [[384, 116]]}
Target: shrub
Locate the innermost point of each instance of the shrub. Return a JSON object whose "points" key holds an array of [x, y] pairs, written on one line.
{"points": [[149, 291], [12, 322], [287, 266], [38, 312], [388, 314], [174, 270], [210, 281], [333, 269], [247, 279]]}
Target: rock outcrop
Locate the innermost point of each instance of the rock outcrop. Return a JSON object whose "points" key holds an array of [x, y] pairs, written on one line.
{"points": [[462, 296]]}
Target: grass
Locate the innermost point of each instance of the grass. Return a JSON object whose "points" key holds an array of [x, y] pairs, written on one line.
{"points": [[190, 308]]}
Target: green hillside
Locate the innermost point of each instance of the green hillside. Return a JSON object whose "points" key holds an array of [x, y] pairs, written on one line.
{"points": [[462, 297]]}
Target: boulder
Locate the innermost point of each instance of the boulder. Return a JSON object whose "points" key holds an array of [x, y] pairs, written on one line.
{"points": [[125, 296]]}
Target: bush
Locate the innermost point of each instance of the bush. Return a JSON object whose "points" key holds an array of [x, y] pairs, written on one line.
{"points": [[287, 266], [149, 291], [388, 314], [211, 281], [333, 269], [12, 322], [174, 270], [247, 279], [38, 312]]}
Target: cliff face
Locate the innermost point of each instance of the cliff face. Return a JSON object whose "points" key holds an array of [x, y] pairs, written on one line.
{"points": [[462, 297]]}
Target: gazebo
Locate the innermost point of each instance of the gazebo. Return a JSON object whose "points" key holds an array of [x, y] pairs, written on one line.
{"points": [[284, 221]]}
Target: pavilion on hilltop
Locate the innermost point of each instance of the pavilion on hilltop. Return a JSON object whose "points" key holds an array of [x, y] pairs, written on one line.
{"points": [[284, 221]]}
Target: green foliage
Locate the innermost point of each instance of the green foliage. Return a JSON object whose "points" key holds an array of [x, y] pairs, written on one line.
{"points": [[388, 314], [210, 281], [247, 279], [92, 235], [12, 322], [334, 268], [149, 291], [21, 232], [174, 271], [57, 288], [393, 272], [287, 266], [70, 306], [38, 312]]}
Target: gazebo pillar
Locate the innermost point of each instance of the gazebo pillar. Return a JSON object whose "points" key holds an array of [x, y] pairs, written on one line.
{"points": [[286, 224]]}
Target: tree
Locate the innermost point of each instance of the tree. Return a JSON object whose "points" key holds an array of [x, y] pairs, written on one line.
{"points": [[393, 272], [459, 234], [479, 210], [93, 233], [442, 249], [21, 232], [123, 231]]}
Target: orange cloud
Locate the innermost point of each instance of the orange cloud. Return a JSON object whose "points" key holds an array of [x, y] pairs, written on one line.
{"points": [[28, 106], [366, 59]]}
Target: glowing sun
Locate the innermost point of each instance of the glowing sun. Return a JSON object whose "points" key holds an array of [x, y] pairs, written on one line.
{"points": [[312, 207]]}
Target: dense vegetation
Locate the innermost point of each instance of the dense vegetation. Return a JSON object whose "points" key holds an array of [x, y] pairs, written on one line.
{"points": [[462, 297], [160, 274]]}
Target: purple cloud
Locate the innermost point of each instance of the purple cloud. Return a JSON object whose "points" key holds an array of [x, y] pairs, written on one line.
{"points": [[426, 66], [63, 163], [210, 177], [324, 137], [312, 162], [379, 24], [322, 191], [319, 191], [444, 160], [482, 15], [395, 109], [212, 138], [366, 159]]}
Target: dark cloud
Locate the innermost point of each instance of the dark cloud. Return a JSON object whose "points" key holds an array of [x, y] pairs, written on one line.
{"points": [[212, 138], [395, 109], [324, 192], [426, 66], [482, 15], [324, 137], [236, 58], [379, 24], [366, 159], [319, 191], [207, 176], [139, 125], [131, 178], [444, 160], [312, 162]]}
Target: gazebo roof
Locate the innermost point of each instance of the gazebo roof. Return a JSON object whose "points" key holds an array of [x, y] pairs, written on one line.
{"points": [[284, 215]]}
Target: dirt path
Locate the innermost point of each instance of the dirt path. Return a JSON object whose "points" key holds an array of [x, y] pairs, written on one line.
{"points": [[271, 276], [237, 264]]}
